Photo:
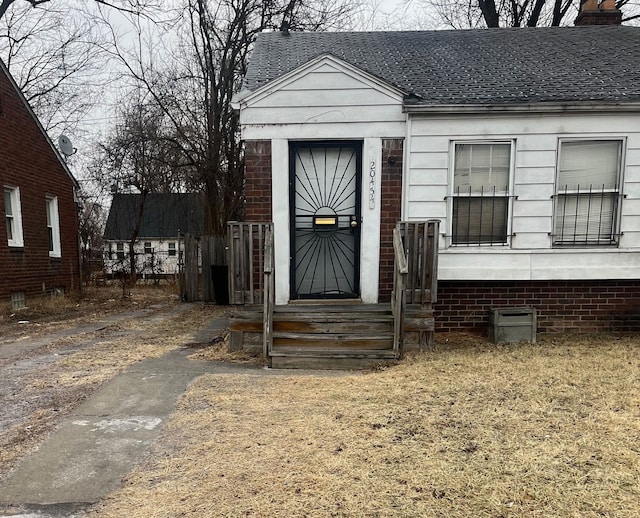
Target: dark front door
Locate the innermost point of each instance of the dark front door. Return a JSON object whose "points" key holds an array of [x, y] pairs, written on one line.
{"points": [[325, 223]]}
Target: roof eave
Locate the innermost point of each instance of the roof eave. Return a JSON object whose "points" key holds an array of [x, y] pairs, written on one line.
{"points": [[567, 107]]}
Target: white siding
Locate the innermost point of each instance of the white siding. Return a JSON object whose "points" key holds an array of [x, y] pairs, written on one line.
{"points": [[529, 254], [326, 100], [159, 262]]}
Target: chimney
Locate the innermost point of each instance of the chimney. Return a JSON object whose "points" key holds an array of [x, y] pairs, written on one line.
{"points": [[602, 13]]}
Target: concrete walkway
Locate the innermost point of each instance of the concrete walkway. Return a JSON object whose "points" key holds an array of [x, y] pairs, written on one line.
{"points": [[105, 437]]}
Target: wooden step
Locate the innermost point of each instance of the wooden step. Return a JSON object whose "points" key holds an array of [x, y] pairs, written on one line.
{"points": [[332, 341], [333, 308], [348, 329], [326, 326], [333, 336], [295, 358]]}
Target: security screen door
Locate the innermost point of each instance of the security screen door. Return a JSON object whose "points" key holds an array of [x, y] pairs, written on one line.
{"points": [[325, 227]]}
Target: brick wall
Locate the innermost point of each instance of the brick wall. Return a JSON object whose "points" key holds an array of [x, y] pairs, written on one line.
{"points": [[390, 211], [28, 162], [600, 17], [562, 306], [257, 158]]}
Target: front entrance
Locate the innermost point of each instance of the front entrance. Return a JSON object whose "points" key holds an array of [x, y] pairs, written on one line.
{"points": [[325, 179]]}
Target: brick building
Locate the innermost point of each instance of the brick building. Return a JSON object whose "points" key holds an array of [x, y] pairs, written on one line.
{"points": [[39, 240]]}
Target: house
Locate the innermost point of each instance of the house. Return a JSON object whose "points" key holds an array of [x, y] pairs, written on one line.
{"points": [[39, 252], [524, 143], [164, 219]]}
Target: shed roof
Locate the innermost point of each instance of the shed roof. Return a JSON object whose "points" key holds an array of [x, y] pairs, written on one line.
{"points": [[483, 66], [164, 216]]}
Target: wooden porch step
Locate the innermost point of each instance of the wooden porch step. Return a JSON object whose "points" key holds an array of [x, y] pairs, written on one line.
{"points": [[333, 353], [296, 358], [346, 329], [328, 336], [332, 341], [333, 308]]}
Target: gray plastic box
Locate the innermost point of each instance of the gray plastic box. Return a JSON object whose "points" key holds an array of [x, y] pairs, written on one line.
{"points": [[508, 325]]}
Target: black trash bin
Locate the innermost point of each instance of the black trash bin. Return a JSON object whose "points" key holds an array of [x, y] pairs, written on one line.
{"points": [[220, 277]]}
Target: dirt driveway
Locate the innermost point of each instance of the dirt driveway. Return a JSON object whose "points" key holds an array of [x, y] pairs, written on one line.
{"points": [[49, 364]]}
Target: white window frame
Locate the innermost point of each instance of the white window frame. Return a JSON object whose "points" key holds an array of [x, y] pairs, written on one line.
{"points": [[120, 255], [172, 250], [617, 193], [17, 238], [53, 226], [148, 250], [508, 194]]}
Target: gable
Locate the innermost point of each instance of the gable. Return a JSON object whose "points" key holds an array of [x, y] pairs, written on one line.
{"points": [[324, 90]]}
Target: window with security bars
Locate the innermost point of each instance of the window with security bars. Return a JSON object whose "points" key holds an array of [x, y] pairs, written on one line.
{"points": [[480, 212], [587, 193]]}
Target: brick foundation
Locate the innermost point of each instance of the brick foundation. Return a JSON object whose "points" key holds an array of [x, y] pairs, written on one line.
{"points": [[390, 211], [562, 306]]}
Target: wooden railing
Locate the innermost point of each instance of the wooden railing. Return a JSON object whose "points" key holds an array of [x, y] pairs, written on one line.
{"points": [[415, 281], [398, 298], [246, 258], [420, 245], [269, 293]]}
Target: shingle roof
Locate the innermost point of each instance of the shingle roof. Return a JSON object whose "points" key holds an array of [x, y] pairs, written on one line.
{"points": [[163, 216], [484, 66]]}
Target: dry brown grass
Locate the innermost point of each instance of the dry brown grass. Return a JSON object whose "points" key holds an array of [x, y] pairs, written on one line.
{"points": [[219, 352], [47, 314], [471, 429], [65, 383]]}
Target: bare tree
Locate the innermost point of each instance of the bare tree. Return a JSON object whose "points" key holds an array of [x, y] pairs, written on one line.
{"points": [[136, 7], [463, 14], [139, 157], [55, 59], [199, 74]]}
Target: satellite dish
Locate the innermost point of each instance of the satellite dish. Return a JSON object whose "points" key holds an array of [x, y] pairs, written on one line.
{"points": [[65, 145]]}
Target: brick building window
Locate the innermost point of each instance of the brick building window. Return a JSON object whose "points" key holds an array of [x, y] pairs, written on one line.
{"points": [[147, 248], [480, 208], [586, 201], [172, 249], [53, 226], [13, 216], [120, 251]]}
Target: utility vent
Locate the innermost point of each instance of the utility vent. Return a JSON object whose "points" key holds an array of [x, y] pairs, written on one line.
{"points": [[508, 325], [17, 300]]}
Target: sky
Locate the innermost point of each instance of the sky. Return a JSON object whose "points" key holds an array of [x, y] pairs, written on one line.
{"points": [[379, 15]]}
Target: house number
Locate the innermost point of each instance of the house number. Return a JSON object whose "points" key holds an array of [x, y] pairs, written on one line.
{"points": [[372, 185]]}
